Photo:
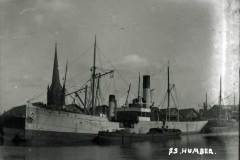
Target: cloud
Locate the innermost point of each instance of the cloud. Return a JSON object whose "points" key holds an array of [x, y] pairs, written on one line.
{"points": [[55, 5], [134, 59], [27, 10]]}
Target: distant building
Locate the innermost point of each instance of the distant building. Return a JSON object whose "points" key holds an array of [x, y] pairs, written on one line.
{"points": [[222, 112], [173, 114], [188, 114], [56, 92]]}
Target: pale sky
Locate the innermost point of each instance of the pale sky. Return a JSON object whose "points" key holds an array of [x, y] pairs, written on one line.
{"points": [[196, 36]]}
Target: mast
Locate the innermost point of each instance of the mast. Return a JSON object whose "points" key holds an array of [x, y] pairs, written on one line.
{"points": [[220, 94], [85, 98], [168, 92], [64, 83], [206, 100], [93, 77], [220, 98], [205, 105], [239, 91], [65, 76], [97, 97], [126, 102], [139, 79]]}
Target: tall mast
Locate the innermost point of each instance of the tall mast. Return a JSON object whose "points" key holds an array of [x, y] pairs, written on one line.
{"points": [[168, 92], [239, 90], [85, 98], [98, 97], [220, 94], [126, 102], [93, 77], [220, 98], [206, 100], [139, 79], [65, 76], [64, 83]]}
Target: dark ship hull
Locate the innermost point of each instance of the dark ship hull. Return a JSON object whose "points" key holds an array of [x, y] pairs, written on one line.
{"points": [[125, 137], [218, 126]]}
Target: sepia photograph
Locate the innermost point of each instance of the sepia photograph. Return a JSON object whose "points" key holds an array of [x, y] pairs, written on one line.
{"points": [[119, 79]]}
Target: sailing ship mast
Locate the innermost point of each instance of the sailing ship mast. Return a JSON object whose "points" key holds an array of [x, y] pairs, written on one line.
{"points": [[93, 77], [205, 105], [220, 95], [168, 94], [206, 100], [220, 98], [139, 79], [65, 76]]}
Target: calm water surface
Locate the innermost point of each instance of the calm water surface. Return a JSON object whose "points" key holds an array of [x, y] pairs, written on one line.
{"points": [[224, 148]]}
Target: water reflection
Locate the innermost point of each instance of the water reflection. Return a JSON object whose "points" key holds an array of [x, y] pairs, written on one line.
{"points": [[226, 148]]}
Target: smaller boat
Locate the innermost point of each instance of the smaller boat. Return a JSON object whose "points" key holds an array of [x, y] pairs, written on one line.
{"points": [[124, 136], [222, 123]]}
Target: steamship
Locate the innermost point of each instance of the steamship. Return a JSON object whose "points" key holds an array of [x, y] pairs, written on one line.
{"points": [[59, 123]]}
